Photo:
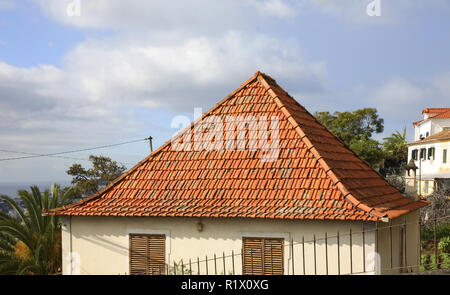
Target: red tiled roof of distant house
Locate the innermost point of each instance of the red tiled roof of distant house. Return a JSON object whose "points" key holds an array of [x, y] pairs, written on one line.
{"points": [[417, 122], [443, 135], [435, 110], [442, 115], [315, 176]]}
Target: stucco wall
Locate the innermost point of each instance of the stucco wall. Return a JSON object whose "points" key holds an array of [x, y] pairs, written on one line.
{"points": [[384, 234], [99, 245]]}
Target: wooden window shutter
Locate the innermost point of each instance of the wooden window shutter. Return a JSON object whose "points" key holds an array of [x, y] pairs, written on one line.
{"points": [[147, 254], [263, 256], [273, 256], [252, 256]]}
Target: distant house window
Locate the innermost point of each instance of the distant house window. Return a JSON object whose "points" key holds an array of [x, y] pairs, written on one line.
{"points": [[431, 153], [444, 156], [262, 256], [427, 134], [423, 154], [147, 254], [414, 154]]}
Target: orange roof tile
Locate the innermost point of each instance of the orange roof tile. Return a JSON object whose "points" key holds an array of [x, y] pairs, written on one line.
{"points": [[442, 115], [435, 110], [443, 135], [314, 177]]}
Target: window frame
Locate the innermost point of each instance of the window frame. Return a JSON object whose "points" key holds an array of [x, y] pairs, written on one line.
{"points": [[145, 231], [263, 254], [415, 154], [148, 270], [431, 153], [423, 154], [287, 236]]}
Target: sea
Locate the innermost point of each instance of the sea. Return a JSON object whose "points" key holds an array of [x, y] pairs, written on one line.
{"points": [[10, 188]]}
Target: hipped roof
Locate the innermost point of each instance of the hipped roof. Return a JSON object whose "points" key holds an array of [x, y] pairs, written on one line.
{"points": [[314, 177]]}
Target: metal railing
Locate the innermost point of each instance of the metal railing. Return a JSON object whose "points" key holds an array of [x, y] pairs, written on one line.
{"points": [[300, 263]]}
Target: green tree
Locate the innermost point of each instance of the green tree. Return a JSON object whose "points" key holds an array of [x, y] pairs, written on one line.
{"points": [[395, 150], [355, 129], [368, 149], [89, 181], [30, 243]]}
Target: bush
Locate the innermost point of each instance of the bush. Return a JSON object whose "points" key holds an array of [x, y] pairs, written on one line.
{"points": [[426, 260], [444, 244], [442, 230]]}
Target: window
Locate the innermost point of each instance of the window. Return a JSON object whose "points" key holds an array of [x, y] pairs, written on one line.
{"points": [[427, 134], [431, 153], [414, 154], [426, 187], [444, 156], [147, 254], [262, 256], [423, 154]]}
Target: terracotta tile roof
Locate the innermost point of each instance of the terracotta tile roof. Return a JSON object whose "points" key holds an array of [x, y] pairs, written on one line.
{"points": [[442, 115], [435, 110], [443, 135], [417, 122], [315, 176]]}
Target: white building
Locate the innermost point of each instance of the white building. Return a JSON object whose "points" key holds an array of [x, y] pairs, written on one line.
{"points": [[430, 152]]}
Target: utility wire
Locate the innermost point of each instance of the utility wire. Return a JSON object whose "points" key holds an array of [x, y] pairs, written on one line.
{"points": [[60, 157], [36, 155]]}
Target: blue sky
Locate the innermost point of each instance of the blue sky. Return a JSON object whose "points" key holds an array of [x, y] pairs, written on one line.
{"points": [[123, 70]]}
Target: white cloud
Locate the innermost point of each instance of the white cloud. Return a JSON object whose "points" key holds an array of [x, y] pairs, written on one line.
{"points": [[57, 107], [354, 11], [180, 76], [277, 8], [402, 100], [159, 54], [204, 17], [158, 15]]}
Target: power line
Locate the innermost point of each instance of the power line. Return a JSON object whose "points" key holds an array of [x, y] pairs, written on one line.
{"points": [[56, 155], [59, 157], [36, 154]]}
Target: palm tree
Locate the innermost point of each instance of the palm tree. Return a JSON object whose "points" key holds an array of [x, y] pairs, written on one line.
{"points": [[396, 150], [30, 243]]}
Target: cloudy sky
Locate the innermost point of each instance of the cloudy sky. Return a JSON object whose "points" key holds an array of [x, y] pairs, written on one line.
{"points": [[83, 73]]}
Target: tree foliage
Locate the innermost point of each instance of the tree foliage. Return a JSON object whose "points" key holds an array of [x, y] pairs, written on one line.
{"points": [[89, 181], [395, 149], [30, 243], [355, 129]]}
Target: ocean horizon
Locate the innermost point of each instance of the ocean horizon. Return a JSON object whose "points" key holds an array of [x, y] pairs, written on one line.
{"points": [[10, 188]]}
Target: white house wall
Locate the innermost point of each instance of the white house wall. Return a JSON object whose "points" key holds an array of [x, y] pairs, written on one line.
{"points": [[99, 245], [432, 126], [412, 243]]}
